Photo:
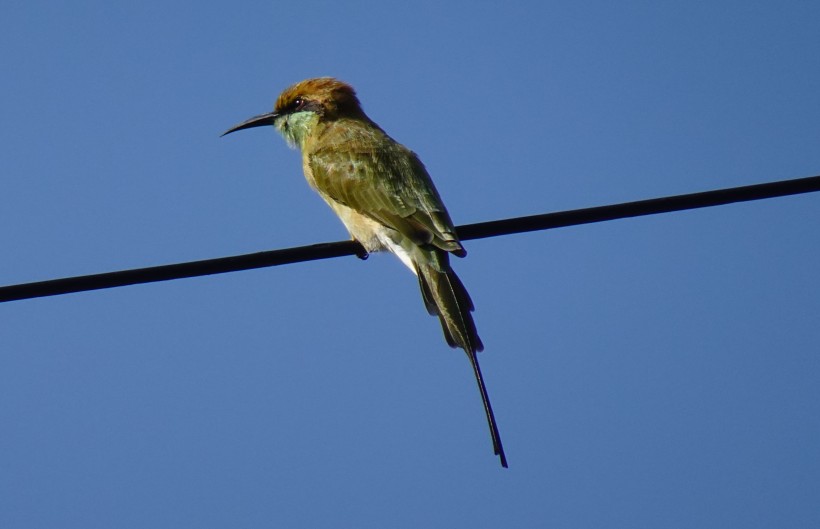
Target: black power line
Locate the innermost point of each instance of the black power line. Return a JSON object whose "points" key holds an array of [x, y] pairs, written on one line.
{"points": [[469, 231], [653, 206]]}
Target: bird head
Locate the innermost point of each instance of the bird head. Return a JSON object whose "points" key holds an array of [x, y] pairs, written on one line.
{"points": [[300, 107]]}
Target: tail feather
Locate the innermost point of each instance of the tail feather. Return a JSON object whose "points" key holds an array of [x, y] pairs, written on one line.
{"points": [[432, 309], [445, 296]]}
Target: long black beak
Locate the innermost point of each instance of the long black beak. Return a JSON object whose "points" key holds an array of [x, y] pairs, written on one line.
{"points": [[256, 121]]}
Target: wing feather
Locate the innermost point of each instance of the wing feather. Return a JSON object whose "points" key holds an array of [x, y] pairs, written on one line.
{"points": [[367, 171]]}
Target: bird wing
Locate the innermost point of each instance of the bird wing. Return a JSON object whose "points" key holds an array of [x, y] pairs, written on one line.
{"points": [[383, 180]]}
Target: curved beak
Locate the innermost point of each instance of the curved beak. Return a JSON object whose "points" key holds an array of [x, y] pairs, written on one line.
{"points": [[256, 121]]}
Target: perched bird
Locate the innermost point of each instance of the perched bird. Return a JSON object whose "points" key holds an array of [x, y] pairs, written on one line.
{"points": [[385, 198]]}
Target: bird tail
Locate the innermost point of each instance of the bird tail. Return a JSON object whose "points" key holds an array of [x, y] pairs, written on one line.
{"points": [[445, 296]]}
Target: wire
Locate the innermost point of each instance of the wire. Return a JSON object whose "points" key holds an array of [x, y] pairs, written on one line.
{"points": [[653, 206], [480, 230]]}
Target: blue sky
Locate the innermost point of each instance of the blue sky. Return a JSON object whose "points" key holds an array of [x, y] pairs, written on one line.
{"points": [[653, 372]]}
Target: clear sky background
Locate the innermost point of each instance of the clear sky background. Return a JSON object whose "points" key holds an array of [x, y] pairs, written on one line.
{"points": [[655, 372]]}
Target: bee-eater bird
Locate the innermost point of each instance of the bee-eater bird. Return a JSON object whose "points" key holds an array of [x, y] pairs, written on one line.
{"points": [[384, 196]]}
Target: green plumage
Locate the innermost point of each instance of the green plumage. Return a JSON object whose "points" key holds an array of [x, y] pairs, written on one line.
{"points": [[363, 168], [359, 166]]}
